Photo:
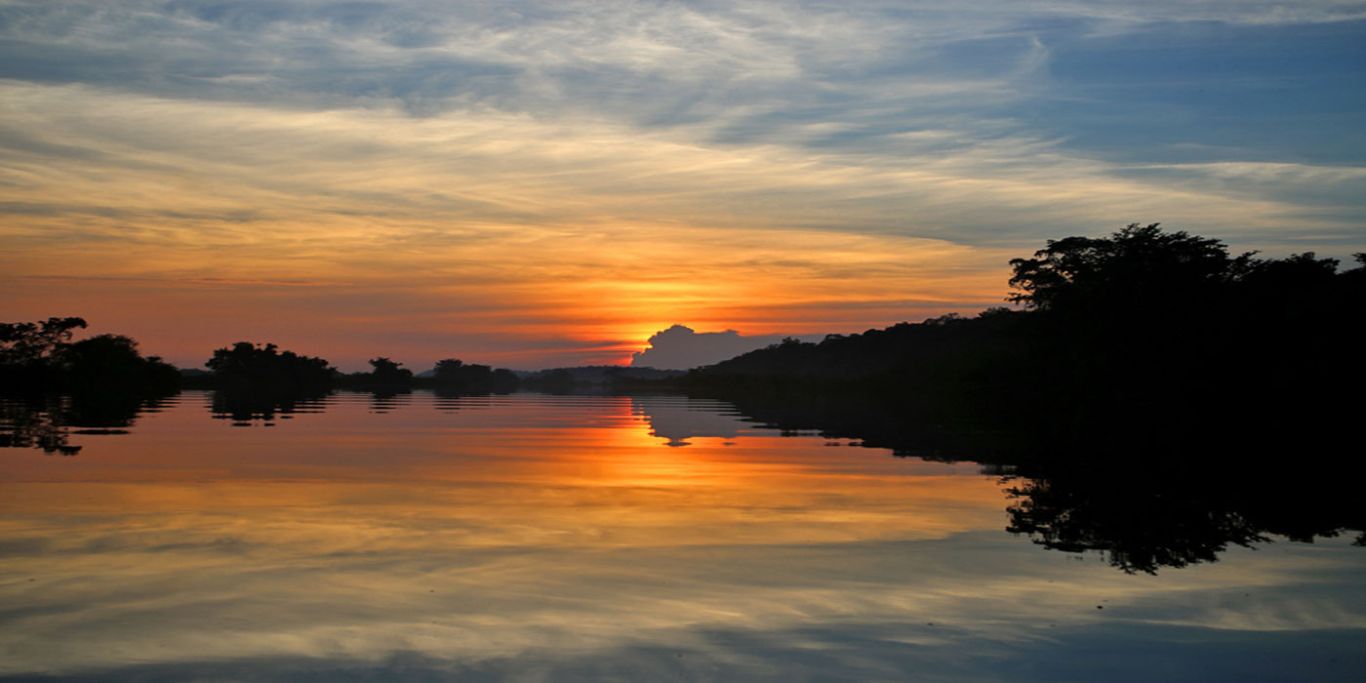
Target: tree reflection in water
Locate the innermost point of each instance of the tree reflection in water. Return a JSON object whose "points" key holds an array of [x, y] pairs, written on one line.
{"points": [[1145, 492], [245, 408], [48, 422]]}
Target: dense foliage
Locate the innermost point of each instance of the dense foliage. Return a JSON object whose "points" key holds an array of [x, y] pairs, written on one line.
{"points": [[1141, 327], [41, 356], [453, 373], [386, 375], [247, 366]]}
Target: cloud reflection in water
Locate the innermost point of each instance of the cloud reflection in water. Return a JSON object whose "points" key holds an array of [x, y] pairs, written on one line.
{"points": [[538, 537]]}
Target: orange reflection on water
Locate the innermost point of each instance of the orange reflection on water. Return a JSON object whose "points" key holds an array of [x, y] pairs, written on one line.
{"points": [[468, 529], [548, 470]]}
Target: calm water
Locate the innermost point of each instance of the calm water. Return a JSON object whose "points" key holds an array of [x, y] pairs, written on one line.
{"points": [[530, 537]]}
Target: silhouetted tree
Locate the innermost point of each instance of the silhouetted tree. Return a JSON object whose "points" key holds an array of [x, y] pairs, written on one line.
{"points": [[451, 371], [1116, 333], [388, 372], [40, 357], [36, 342], [247, 367], [454, 375], [110, 362], [30, 352], [386, 377], [1134, 268], [447, 366]]}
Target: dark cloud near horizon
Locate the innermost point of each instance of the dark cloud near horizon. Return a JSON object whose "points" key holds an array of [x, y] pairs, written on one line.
{"points": [[681, 348]]}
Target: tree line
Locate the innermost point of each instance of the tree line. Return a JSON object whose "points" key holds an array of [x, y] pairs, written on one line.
{"points": [[1111, 338], [40, 357], [248, 367]]}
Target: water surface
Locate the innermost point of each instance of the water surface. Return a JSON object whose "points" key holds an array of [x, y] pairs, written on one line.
{"points": [[532, 537]]}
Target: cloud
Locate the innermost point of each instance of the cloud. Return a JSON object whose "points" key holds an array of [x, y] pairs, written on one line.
{"points": [[681, 348]]}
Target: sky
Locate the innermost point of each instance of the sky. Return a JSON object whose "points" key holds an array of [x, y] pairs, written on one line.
{"points": [[537, 184]]}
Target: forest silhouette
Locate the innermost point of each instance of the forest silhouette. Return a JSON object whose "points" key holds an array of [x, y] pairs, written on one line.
{"points": [[38, 357], [1144, 339]]}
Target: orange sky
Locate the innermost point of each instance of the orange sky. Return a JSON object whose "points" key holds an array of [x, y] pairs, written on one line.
{"points": [[549, 267], [558, 300]]}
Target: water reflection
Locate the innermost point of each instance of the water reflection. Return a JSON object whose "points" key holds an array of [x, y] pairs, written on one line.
{"points": [[49, 422], [1166, 498], [678, 419], [386, 401], [561, 538], [246, 409]]}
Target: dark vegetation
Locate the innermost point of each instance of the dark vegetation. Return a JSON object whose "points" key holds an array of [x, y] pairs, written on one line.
{"points": [[40, 356], [1117, 337], [247, 368], [385, 377], [453, 374], [106, 377]]}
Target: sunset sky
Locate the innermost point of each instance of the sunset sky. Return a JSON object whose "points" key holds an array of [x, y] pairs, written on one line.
{"points": [[534, 184]]}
